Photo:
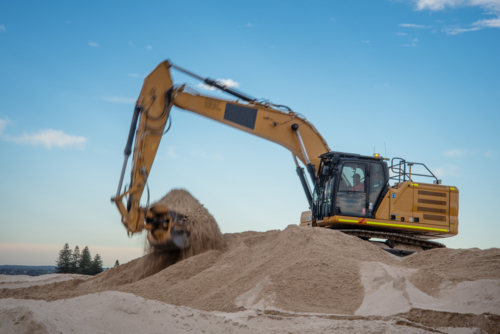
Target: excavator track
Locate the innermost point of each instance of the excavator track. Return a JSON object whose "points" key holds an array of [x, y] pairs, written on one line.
{"points": [[393, 238]]}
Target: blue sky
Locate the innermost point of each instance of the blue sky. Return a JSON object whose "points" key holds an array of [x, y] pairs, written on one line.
{"points": [[414, 79]]}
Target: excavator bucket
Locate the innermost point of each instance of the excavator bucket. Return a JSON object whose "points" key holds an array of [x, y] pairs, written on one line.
{"points": [[167, 230]]}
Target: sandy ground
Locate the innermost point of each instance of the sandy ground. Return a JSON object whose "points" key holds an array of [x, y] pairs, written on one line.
{"points": [[299, 280], [24, 281], [118, 312]]}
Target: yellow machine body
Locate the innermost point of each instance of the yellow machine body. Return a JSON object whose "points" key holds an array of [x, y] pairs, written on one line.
{"points": [[427, 210]]}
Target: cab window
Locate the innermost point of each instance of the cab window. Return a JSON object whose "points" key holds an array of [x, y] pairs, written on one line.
{"points": [[351, 196], [353, 178]]}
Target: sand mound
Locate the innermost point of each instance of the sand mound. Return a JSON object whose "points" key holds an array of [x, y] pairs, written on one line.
{"points": [[302, 270], [299, 270]]}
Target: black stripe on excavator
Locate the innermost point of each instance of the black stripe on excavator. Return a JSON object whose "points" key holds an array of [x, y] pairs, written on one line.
{"points": [[241, 115]]}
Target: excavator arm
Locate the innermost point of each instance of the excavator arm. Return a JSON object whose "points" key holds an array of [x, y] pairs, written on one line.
{"points": [[151, 113]]}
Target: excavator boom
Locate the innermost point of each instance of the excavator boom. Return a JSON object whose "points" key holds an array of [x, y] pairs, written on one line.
{"points": [[157, 97]]}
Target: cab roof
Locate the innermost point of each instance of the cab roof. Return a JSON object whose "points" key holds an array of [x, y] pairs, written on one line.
{"points": [[340, 155]]}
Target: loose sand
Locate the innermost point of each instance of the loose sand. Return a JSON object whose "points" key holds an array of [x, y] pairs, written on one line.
{"points": [[24, 281], [290, 281]]}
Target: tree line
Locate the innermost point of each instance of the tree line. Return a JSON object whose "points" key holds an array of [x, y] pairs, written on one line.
{"points": [[72, 262]]}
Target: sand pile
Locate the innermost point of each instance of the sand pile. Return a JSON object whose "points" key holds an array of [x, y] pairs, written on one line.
{"points": [[298, 269], [301, 270]]}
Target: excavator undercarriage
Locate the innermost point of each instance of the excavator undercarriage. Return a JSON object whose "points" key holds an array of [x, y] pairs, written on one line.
{"points": [[397, 244]]}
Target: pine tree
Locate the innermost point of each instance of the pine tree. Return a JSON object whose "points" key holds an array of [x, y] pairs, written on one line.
{"points": [[75, 260], [85, 264], [64, 261], [116, 264], [96, 265]]}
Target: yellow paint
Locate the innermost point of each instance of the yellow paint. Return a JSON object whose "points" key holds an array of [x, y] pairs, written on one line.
{"points": [[408, 226], [415, 184], [347, 221], [393, 225]]}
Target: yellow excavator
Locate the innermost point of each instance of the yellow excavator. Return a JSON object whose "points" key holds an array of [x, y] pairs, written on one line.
{"points": [[358, 195]]}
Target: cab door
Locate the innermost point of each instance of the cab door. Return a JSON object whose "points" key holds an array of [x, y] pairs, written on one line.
{"points": [[377, 181], [351, 199]]}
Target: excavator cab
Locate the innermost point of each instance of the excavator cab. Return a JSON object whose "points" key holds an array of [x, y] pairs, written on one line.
{"points": [[349, 185]]}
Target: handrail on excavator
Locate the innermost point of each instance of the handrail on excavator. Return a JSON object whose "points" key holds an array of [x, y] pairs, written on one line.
{"points": [[399, 168]]}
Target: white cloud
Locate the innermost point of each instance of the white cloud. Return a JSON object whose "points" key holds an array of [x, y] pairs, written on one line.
{"points": [[94, 44], [131, 44], [490, 7], [2, 27], [442, 4], [134, 75], [249, 25], [489, 154], [119, 99], [205, 87], [415, 40], [228, 82], [455, 153], [491, 23], [149, 47], [365, 42], [412, 45], [411, 25], [47, 138], [401, 34], [457, 30], [225, 82]]}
